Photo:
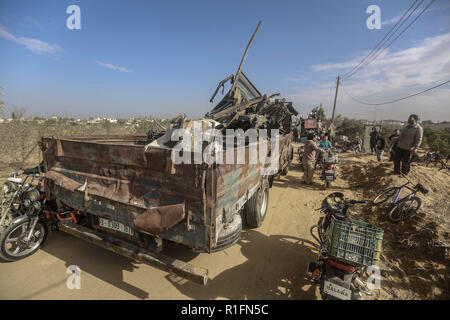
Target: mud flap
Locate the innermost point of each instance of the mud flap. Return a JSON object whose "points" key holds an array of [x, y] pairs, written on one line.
{"points": [[157, 220]]}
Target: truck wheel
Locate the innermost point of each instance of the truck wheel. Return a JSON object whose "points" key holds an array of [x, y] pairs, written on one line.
{"points": [[228, 240], [256, 207]]}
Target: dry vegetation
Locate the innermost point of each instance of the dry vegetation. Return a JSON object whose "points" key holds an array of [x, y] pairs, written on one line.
{"points": [[415, 261], [18, 138]]}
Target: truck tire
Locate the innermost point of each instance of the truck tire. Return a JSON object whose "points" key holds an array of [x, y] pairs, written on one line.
{"points": [[228, 240], [256, 207]]}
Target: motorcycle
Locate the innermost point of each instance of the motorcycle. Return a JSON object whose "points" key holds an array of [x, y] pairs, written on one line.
{"points": [[22, 227], [355, 146], [329, 165], [14, 190], [341, 267]]}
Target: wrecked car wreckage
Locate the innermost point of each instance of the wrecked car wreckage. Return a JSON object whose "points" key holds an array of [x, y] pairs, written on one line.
{"points": [[129, 194]]}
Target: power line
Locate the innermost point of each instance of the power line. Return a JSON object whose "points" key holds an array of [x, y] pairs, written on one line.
{"points": [[396, 100], [354, 70], [407, 27]]}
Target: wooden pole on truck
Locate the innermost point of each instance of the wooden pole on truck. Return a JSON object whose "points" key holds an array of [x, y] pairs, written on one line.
{"points": [[244, 56]]}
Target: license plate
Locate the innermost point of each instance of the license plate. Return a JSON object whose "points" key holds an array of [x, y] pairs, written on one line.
{"points": [[337, 291], [115, 225], [329, 172], [329, 178]]}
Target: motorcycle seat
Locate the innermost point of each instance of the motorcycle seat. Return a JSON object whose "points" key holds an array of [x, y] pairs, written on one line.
{"points": [[421, 188]]}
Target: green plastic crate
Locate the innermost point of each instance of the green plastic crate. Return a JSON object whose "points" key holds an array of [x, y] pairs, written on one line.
{"points": [[355, 242]]}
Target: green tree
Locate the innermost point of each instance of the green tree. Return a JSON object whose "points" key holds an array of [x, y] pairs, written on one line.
{"points": [[319, 112], [349, 127]]}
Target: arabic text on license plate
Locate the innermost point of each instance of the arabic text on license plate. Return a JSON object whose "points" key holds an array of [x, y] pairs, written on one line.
{"points": [[114, 225], [337, 291]]}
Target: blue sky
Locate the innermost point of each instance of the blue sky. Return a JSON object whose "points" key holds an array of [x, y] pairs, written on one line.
{"points": [[163, 58]]}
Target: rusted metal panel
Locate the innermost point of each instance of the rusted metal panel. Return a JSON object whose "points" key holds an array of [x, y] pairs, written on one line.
{"points": [[106, 183], [157, 220], [180, 268]]}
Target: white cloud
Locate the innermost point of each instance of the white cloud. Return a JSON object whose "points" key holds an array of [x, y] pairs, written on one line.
{"points": [[394, 74], [113, 67], [34, 45], [330, 66]]}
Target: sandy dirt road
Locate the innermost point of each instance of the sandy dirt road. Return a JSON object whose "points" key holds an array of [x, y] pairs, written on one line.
{"points": [[267, 263]]}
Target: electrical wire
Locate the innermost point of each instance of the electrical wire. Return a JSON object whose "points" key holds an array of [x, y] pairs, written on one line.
{"points": [[381, 42], [418, 16], [396, 100]]}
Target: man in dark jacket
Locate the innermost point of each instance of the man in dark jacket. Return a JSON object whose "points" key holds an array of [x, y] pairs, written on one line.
{"points": [[393, 139], [373, 140], [380, 144], [409, 140]]}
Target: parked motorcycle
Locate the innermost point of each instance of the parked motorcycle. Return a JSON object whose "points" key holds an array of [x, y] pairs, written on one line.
{"points": [[22, 227], [13, 189], [355, 146], [346, 248], [329, 166]]}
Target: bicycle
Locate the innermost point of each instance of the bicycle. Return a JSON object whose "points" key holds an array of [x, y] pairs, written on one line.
{"points": [[436, 158], [406, 207]]}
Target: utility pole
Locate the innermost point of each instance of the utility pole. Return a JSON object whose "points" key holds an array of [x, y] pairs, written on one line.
{"points": [[335, 98]]}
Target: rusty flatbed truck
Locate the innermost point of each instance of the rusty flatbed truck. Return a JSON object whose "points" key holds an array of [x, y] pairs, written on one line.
{"points": [[129, 195]]}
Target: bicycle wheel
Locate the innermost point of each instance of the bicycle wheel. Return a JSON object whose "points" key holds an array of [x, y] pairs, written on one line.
{"points": [[384, 195], [405, 209]]}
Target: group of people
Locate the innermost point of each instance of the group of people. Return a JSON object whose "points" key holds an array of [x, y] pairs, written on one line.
{"points": [[403, 144], [377, 143], [299, 128], [310, 153]]}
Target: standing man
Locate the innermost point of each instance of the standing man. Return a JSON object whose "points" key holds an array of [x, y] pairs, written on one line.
{"points": [[309, 158], [395, 135], [409, 140], [393, 144], [373, 140], [380, 145], [295, 132]]}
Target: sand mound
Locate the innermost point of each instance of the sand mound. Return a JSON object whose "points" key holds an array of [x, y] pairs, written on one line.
{"points": [[415, 261]]}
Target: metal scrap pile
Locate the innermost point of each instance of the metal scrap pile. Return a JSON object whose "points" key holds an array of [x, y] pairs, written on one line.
{"points": [[252, 110], [244, 107]]}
